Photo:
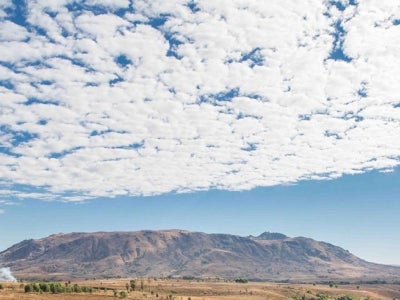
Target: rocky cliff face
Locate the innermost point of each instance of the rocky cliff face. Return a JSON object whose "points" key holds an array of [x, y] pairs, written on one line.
{"points": [[270, 256]]}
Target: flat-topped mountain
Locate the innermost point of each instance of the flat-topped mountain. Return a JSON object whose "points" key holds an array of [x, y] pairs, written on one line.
{"points": [[270, 256]]}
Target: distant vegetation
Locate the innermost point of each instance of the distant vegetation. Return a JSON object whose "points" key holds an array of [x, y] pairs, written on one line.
{"points": [[326, 297], [56, 288]]}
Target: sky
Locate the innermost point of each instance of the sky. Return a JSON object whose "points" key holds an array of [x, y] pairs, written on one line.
{"points": [[234, 116]]}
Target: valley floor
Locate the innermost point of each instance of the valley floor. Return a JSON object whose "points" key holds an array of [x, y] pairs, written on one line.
{"points": [[158, 289]]}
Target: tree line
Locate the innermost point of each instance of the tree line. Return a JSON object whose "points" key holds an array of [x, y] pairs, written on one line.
{"points": [[56, 288]]}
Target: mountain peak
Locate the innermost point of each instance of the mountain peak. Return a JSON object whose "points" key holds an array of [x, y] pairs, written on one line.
{"points": [[271, 236]]}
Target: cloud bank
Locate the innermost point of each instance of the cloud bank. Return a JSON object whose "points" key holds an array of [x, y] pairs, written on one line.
{"points": [[112, 98]]}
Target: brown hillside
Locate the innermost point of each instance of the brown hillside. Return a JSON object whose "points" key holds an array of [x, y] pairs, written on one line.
{"points": [[183, 253]]}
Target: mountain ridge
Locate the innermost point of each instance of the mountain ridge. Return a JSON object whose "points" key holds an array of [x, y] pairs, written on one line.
{"points": [[180, 253]]}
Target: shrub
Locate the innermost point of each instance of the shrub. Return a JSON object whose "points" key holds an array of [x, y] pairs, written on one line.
{"points": [[28, 288], [35, 288], [76, 288], [345, 298], [123, 294], [44, 287]]}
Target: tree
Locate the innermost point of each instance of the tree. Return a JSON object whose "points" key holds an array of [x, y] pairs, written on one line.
{"points": [[133, 284], [142, 284]]}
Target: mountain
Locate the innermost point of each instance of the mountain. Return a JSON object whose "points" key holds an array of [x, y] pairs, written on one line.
{"points": [[270, 236], [270, 256]]}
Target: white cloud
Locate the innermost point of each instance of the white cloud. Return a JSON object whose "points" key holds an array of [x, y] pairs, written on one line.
{"points": [[3, 5], [10, 31], [169, 97], [2, 211], [110, 4]]}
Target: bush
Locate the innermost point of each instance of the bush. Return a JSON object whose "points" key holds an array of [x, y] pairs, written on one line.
{"points": [[44, 287], [86, 289], [28, 288], [123, 294], [76, 289]]}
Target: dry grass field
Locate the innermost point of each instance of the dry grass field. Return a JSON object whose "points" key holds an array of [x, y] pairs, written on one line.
{"points": [[158, 289]]}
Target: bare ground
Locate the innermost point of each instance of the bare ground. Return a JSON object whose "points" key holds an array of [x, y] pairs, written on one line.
{"points": [[158, 289]]}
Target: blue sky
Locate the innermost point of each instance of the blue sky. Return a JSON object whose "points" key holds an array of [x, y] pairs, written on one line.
{"points": [[217, 116]]}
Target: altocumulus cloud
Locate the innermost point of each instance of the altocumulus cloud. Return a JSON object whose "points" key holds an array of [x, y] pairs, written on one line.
{"points": [[108, 98]]}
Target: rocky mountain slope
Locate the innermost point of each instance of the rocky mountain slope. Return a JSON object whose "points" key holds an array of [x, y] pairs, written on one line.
{"points": [[270, 256]]}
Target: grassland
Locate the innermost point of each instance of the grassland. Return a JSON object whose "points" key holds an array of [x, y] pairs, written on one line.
{"points": [[158, 289]]}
